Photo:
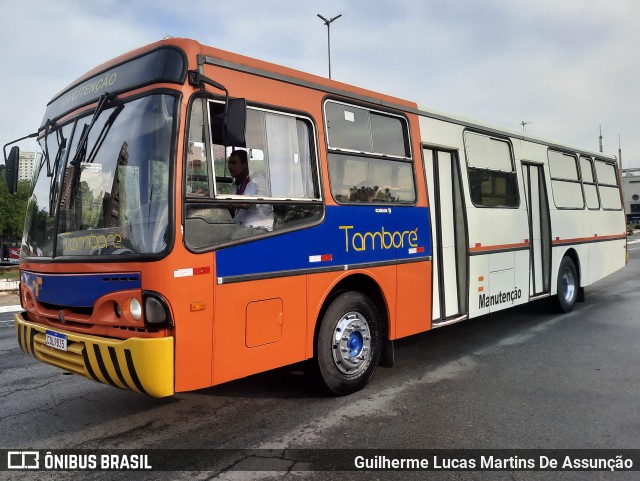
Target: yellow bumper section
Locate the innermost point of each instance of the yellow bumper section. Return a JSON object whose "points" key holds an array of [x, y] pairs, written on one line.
{"points": [[143, 365]]}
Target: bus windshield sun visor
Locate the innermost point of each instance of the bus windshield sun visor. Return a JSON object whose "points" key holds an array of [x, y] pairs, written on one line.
{"points": [[162, 65]]}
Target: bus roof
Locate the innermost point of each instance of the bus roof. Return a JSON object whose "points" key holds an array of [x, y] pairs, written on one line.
{"points": [[222, 58], [496, 130]]}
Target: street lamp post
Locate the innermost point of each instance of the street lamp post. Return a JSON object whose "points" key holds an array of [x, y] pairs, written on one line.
{"points": [[328, 22]]}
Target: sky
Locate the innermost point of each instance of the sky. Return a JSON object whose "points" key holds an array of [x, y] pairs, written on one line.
{"points": [[566, 66]]}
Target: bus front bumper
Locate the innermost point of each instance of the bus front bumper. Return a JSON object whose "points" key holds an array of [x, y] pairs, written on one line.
{"points": [[142, 365]]}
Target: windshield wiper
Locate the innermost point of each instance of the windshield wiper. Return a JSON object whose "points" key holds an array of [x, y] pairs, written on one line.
{"points": [[103, 133], [47, 127], [62, 145], [81, 151]]}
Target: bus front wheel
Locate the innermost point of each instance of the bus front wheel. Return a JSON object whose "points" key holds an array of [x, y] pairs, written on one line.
{"points": [[349, 343], [568, 285]]}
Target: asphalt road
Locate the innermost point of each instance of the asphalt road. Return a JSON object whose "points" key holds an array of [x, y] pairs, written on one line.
{"points": [[519, 379]]}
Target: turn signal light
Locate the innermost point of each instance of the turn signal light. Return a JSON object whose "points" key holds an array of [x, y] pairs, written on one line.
{"points": [[198, 306]]}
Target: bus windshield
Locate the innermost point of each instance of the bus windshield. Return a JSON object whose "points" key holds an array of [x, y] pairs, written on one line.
{"points": [[110, 194]]}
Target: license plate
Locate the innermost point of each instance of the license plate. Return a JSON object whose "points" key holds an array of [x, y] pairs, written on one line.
{"points": [[56, 340]]}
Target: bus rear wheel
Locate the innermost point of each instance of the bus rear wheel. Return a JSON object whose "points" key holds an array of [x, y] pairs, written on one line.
{"points": [[568, 285], [349, 343]]}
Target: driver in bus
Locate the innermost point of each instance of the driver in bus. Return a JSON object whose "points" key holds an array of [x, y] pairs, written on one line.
{"points": [[250, 215]]}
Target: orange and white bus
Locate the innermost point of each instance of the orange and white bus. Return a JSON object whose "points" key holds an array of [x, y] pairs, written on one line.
{"points": [[147, 266]]}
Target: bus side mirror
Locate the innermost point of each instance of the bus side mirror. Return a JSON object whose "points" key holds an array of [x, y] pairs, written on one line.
{"points": [[236, 123], [12, 169], [228, 126], [231, 132]]}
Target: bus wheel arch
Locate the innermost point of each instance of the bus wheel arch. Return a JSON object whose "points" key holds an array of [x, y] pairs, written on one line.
{"points": [[568, 282], [573, 255], [351, 329]]}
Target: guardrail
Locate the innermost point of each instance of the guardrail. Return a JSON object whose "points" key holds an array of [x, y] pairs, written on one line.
{"points": [[9, 286]]}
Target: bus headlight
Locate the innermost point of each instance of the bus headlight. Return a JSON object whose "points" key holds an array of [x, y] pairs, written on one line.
{"points": [[135, 309], [156, 311]]}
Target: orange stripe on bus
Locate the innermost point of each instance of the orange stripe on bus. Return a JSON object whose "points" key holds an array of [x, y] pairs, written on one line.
{"points": [[593, 238], [480, 248]]}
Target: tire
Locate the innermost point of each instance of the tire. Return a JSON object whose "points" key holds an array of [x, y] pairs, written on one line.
{"points": [[348, 344], [568, 285]]}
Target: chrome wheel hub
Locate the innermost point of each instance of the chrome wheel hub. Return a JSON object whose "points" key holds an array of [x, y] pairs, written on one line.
{"points": [[352, 343], [568, 285]]}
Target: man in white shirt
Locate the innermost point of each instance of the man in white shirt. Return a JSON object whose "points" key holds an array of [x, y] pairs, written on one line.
{"points": [[250, 215]]}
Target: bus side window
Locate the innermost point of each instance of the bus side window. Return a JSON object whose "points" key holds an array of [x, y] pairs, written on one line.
{"points": [[197, 178], [565, 181], [608, 185], [492, 176], [197, 173], [282, 190], [362, 179], [589, 183], [369, 155], [207, 224]]}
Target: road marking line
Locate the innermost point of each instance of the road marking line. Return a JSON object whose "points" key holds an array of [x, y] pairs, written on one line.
{"points": [[385, 401], [15, 308]]}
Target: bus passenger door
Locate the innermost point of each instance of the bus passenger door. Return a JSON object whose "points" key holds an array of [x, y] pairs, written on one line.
{"points": [[449, 236], [539, 230]]}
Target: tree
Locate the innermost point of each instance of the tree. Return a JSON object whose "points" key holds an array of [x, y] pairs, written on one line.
{"points": [[13, 208]]}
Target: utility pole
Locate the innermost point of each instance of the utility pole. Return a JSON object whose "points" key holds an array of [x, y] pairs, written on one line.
{"points": [[620, 152], [523, 123], [601, 140], [328, 22]]}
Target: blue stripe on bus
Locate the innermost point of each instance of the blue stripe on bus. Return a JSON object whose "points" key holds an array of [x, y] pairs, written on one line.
{"points": [[349, 235], [77, 290]]}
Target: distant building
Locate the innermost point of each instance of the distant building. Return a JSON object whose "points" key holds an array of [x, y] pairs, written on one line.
{"points": [[631, 194], [27, 164]]}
